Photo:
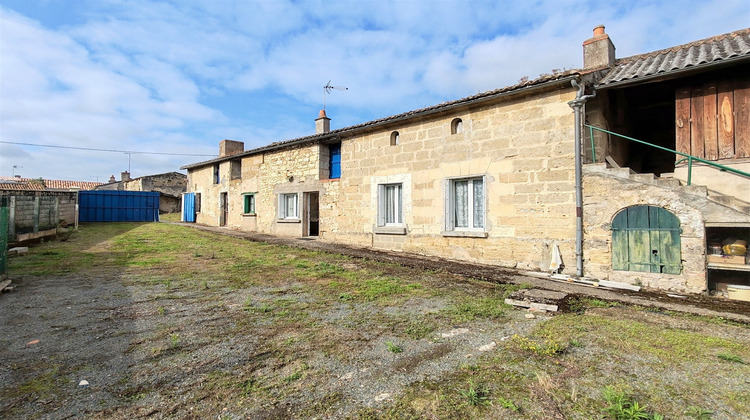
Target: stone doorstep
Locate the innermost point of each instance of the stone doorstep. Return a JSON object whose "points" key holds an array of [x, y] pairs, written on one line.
{"points": [[538, 299]]}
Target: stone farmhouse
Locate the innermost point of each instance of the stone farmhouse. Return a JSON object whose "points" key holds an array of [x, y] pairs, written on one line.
{"points": [[169, 185], [545, 175]]}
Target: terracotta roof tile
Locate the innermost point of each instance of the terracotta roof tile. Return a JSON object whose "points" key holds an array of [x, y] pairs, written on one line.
{"points": [[31, 184]]}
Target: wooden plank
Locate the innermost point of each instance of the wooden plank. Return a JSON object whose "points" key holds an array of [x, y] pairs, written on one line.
{"points": [[682, 120], [696, 126], [4, 284], [726, 119], [710, 132], [742, 117]]}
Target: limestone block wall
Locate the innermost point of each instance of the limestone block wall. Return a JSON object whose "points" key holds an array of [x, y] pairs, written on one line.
{"points": [[523, 148], [605, 194]]}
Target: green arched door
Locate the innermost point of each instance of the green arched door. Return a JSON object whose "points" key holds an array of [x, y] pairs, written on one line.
{"points": [[646, 238]]}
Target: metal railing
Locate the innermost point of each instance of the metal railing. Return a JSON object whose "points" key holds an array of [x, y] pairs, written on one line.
{"points": [[689, 158]]}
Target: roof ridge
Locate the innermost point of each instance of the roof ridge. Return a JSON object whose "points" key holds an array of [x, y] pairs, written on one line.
{"points": [[676, 48]]}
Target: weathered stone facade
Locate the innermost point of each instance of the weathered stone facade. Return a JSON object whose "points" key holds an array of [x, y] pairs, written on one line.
{"points": [[170, 187], [608, 191], [521, 145]]}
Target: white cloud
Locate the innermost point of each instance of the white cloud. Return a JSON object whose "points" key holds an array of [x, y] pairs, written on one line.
{"points": [[181, 75]]}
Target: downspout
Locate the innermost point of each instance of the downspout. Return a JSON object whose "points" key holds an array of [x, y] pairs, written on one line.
{"points": [[577, 105]]}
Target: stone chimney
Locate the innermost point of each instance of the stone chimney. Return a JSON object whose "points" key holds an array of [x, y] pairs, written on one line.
{"points": [[598, 51], [322, 123], [125, 176], [112, 179], [230, 147]]}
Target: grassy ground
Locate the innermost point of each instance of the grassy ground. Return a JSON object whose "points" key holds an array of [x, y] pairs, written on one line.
{"points": [[216, 326]]}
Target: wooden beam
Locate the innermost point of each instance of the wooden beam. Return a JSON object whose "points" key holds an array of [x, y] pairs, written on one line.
{"points": [[742, 117], [697, 145], [682, 120], [710, 133], [726, 119]]}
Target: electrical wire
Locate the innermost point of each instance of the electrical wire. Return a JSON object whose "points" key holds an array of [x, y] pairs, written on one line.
{"points": [[103, 150]]}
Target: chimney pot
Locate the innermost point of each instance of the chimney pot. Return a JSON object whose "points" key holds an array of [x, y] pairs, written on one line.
{"points": [[598, 51], [322, 123], [112, 178], [125, 176]]}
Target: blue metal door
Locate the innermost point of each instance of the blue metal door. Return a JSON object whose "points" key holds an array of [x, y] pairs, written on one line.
{"points": [[188, 207], [118, 206]]}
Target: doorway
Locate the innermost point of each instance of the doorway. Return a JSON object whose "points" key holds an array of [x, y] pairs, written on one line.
{"points": [[223, 209], [311, 222]]}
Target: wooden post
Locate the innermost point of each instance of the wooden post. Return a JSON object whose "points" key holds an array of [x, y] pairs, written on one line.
{"points": [[726, 120]]}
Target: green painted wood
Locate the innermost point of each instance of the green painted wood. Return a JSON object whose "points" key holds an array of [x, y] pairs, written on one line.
{"points": [[646, 239], [4, 222]]}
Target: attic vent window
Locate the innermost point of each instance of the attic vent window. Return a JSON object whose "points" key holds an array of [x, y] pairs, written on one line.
{"points": [[394, 138], [457, 126]]}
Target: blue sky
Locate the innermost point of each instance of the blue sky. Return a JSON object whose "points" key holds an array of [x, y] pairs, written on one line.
{"points": [[179, 76]]}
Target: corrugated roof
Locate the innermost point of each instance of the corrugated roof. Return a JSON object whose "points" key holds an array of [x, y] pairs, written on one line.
{"points": [[541, 81], [706, 52], [31, 184]]}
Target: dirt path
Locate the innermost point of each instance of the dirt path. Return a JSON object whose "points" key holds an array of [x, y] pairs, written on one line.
{"points": [[693, 304]]}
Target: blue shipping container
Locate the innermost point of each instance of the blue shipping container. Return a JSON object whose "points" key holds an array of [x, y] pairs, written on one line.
{"points": [[118, 206]]}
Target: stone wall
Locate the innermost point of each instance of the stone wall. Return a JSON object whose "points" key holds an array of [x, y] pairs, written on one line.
{"points": [[522, 146], [39, 211], [608, 191]]}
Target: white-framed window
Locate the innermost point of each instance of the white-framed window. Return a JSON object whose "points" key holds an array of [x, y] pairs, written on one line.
{"points": [[288, 206], [465, 204], [390, 205]]}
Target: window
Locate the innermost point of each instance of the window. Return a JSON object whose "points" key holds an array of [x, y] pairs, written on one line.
{"points": [[197, 202], [394, 138], [390, 205], [457, 126], [216, 174], [288, 206], [249, 203], [646, 238], [235, 169], [465, 207], [334, 161]]}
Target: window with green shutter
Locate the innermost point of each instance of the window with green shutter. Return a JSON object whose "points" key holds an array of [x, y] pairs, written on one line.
{"points": [[646, 238], [249, 201]]}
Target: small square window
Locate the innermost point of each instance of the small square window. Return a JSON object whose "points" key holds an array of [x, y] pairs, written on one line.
{"points": [[465, 204], [288, 206], [390, 205], [249, 203]]}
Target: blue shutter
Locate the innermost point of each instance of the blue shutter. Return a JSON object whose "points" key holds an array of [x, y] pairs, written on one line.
{"points": [[188, 207], [334, 160]]}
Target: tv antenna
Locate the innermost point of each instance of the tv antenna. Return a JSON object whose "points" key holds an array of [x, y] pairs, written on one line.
{"points": [[14, 169], [327, 91]]}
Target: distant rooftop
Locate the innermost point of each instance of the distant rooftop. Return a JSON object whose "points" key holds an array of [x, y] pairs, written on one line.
{"points": [[31, 184]]}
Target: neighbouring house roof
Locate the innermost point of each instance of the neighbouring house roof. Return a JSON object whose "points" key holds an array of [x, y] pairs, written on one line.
{"points": [[709, 52], [542, 81], [31, 184]]}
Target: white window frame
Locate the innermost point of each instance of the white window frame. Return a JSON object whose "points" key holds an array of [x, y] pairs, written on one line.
{"points": [[398, 208], [450, 205], [284, 211]]}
